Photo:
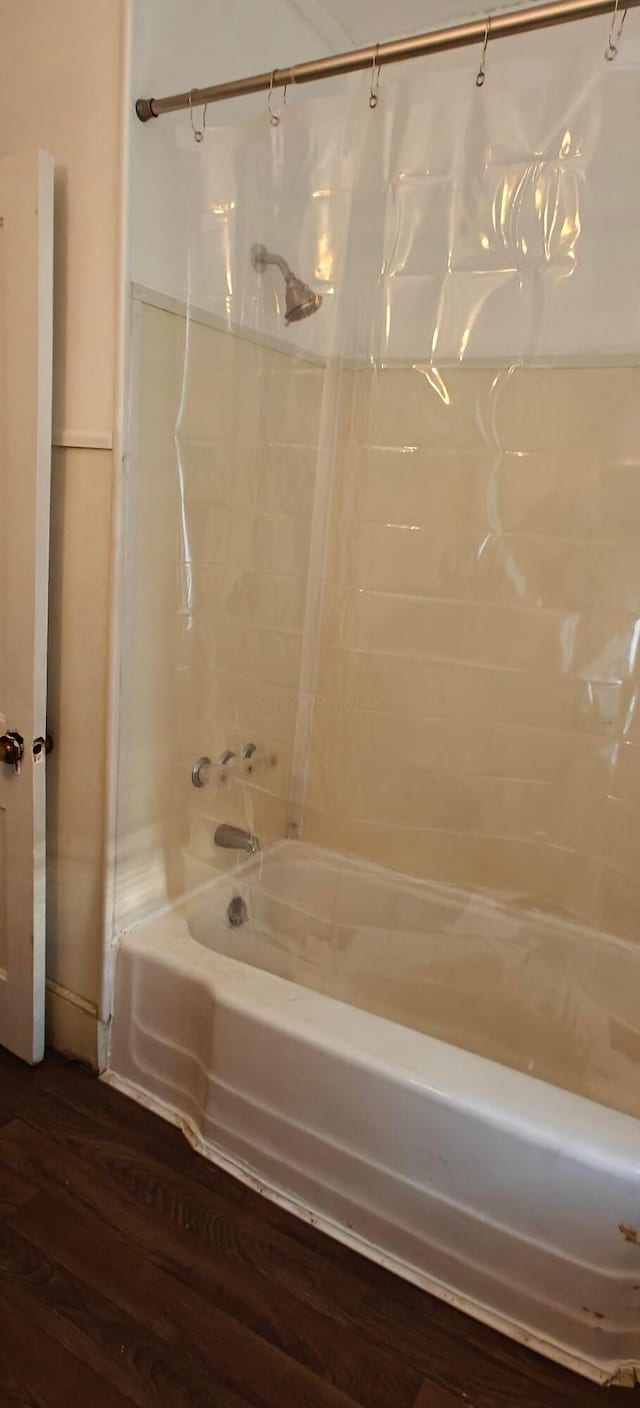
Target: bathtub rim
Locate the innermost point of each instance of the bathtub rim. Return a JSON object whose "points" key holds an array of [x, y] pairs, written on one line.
{"points": [[484, 903], [554, 1118]]}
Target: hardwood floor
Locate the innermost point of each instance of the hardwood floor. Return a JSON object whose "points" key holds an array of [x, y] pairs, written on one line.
{"points": [[134, 1272]]}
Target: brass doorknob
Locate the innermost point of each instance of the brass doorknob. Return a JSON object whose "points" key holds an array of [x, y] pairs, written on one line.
{"points": [[11, 749]]}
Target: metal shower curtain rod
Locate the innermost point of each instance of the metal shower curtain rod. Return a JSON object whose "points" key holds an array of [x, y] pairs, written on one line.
{"points": [[497, 26]]}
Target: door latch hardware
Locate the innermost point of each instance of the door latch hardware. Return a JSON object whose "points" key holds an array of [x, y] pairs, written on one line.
{"points": [[42, 743]]}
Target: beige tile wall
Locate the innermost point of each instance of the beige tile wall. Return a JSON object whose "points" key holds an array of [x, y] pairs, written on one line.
{"points": [[220, 512], [477, 715], [253, 414], [150, 823]]}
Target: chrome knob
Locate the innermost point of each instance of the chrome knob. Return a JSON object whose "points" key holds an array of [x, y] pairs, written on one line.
{"points": [[198, 771]]}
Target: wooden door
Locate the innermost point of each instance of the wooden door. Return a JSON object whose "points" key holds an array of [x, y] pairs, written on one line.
{"points": [[26, 301]]}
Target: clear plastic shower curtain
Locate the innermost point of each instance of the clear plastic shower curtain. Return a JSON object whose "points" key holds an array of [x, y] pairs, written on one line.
{"points": [[409, 524]]}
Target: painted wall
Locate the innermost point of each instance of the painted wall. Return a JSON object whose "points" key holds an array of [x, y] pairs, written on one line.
{"points": [[181, 44], [558, 116], [61, 88]]}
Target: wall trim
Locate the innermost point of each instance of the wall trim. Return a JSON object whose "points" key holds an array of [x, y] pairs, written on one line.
{"points": [[196, 314], [72, 1025], [64, 439], [67, 995], [169, 304]]}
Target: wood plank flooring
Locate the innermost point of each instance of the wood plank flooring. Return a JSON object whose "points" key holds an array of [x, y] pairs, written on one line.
{"points": [[134, 1272]]}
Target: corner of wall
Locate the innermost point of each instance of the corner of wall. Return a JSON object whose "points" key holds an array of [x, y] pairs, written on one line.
{"points": [[73, 1027]]}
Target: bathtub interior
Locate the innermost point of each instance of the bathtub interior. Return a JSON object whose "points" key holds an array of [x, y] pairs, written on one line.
{"points": [[555, 1001]]}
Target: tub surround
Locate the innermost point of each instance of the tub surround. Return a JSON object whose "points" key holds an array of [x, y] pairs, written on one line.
{"points": [[417, 588]]}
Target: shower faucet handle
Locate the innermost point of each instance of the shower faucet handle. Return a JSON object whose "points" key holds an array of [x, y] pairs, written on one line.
{"points": [[200, 771], [248, 758], [252, 758]]}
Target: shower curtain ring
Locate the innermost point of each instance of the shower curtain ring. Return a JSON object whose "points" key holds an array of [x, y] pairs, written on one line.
{"points": [[483, 61], [274, 117], [375, 79], [613, 43], [198, 132]]}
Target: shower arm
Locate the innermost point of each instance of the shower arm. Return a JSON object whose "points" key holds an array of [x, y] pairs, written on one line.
{"points": [[499, 25], [261, 258], [281, 264]]}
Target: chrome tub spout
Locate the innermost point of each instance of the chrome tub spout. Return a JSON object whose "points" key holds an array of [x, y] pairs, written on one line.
{"points": [[235, 838]]}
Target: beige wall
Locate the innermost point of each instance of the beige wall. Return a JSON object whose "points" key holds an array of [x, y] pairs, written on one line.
{"points": [[183, 44], [79, 606], [61, 69], [478, 670], [62, 73]]}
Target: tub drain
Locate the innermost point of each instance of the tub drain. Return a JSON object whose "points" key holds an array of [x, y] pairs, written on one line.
{"points": [[237, 912]]}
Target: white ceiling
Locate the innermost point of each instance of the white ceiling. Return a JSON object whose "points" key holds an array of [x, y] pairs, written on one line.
{"points": [[356, 23], [366, 21]]}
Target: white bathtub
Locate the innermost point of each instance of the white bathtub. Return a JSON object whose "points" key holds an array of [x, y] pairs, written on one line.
{"points": [[317, 1052]]}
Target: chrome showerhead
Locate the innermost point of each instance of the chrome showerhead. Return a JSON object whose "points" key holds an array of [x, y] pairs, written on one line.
{"points": [[300, 300]]}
